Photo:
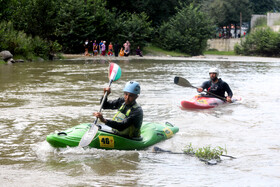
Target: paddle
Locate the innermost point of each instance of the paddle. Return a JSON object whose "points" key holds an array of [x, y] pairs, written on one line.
{"points": [[185, 83], [114, 74]]}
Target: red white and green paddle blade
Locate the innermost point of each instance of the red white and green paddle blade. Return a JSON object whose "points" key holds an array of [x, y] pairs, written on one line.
{"points": [[114, 72]]}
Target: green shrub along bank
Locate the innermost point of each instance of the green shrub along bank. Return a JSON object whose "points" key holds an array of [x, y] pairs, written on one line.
{"points": [[187, 31], [27, 47], [262, 41]]}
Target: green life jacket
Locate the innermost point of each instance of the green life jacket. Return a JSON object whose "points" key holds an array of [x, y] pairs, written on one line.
{"points": [[131, 131]]}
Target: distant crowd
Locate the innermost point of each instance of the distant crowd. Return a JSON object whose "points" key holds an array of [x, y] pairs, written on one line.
{"points": [[92, 48], [225, 36]]}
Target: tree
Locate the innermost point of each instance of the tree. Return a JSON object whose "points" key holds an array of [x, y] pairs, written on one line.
{"points": [[133, 27], [264, 6], [157, 10], [78, 21], [35, 17], [5, 10], [227, 12], [187, 31]]}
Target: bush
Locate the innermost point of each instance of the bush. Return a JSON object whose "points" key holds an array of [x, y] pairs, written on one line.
{"points": [[133, 27], [19, 44], [261, 42], [187, 32]]}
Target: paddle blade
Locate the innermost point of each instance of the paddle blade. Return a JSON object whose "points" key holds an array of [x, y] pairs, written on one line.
{"points": [[114, 72], [88, 136], [182, 82]]}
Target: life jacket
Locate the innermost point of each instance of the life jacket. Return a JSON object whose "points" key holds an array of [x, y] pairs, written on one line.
{"points": [[131, 131]]}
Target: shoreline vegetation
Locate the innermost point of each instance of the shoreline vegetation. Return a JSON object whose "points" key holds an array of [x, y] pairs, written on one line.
{"points": [[155, 53], [149, 51]]}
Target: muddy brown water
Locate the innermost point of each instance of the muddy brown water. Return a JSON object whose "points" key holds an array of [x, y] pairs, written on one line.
{"points": [[37, 99]]}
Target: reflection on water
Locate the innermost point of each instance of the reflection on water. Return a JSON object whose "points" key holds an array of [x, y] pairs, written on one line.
{"points": [[39, 98]]}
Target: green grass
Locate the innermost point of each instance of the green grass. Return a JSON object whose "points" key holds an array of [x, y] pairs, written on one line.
{"points": [[230, 53], [2, 62], [156, 51]]}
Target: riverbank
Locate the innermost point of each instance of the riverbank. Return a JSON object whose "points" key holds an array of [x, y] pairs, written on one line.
{"points": [[213, 58]]}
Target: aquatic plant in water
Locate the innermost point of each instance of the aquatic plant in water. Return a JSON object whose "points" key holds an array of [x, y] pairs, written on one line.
{"points": [[206, 153]]}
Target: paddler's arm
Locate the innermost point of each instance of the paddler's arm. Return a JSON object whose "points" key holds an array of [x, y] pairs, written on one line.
{"points": [[114, 104], [229, 92], [203, 86]]}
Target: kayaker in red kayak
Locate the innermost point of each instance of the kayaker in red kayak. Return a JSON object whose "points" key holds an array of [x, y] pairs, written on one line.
{"points": [[128, 120], [216, 85]]}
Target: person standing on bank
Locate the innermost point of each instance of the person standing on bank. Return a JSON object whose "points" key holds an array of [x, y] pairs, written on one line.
{"points": [[86, 45], [128, 120], [216, 86], [116, 49], [103, 48]]}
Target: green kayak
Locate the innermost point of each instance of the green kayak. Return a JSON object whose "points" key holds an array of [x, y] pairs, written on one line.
{"points": [[151, 133]]}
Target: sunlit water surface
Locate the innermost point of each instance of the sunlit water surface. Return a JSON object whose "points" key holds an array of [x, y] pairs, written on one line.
{"points": [[37, 99]]}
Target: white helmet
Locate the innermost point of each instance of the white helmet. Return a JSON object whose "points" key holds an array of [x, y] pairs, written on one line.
{"points": [[214, 70]]}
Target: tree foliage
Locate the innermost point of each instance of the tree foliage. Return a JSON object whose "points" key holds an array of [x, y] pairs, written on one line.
{"points": [[133, 27], [71, 22], [158, 11], [227, 12], [187, 31], [17, 42], [264, 6]]}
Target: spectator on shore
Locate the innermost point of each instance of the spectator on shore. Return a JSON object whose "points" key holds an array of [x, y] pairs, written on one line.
{"points": [[86, 45], [126, 46], [95, 48], [100, 46], [116, 49], [103, 48], [121, 52], [110, 49], [139, 52]]}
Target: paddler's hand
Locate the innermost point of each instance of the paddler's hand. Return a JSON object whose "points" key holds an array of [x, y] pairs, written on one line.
{"points": [[100, 116], [199, 89], [108, 90], [229, 100]]}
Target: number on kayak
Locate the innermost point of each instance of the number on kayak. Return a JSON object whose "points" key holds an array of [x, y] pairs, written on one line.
{"points": [[168, 132], [107, 141]]}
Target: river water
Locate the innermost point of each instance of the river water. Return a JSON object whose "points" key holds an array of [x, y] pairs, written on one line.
{"points": [[40, 98]]}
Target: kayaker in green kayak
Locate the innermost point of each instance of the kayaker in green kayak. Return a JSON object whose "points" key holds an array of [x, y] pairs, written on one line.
{"points": [[216, 86], [128, 120]]}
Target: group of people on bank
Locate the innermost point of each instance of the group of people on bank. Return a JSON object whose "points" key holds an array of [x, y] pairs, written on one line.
{"points": [[128, 119], [113, 50]]}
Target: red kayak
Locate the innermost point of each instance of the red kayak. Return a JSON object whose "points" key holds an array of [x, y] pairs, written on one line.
{"points": [[203, 102]]}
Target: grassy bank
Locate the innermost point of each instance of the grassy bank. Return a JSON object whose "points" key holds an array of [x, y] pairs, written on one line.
{"points": [[230, 53], [156, 51]]}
